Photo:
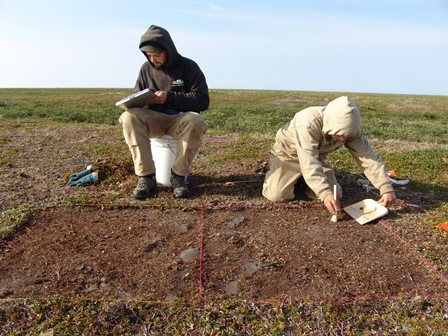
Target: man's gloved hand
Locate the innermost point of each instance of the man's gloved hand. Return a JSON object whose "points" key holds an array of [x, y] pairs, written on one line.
{"points": [[85, 180], [77, 176]]}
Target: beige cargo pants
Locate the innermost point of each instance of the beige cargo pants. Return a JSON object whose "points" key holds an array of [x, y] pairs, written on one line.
{"points": [[282, 176], [140, 125]]}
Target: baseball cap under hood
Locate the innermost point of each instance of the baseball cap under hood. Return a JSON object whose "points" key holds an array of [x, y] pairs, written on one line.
{"points": [[159, 38], [341, 117]]}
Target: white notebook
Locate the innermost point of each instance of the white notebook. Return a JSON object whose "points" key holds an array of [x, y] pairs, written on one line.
{"points": [[366, 211], [136, 99]]}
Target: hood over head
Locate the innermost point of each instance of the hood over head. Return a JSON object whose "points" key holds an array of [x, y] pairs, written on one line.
{"points": [[157, 39], [341, 117]]}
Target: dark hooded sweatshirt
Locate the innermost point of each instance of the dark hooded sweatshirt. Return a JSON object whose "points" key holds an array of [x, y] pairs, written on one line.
{"points": [[181, 77]]}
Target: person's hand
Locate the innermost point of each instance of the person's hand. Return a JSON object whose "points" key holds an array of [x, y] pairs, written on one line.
{"points": [[159, 99], [331, 204], [387, 198]]}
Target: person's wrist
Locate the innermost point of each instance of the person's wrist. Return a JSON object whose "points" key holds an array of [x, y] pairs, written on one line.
{"points": [[387, 192]]}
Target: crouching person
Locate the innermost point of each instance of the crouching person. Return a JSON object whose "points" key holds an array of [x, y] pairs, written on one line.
{"points": [[298, 155]]}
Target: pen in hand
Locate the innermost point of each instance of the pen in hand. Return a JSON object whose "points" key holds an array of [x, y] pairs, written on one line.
{"points": [[334, 218]]}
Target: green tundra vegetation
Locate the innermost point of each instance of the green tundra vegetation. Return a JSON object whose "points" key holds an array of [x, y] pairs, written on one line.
{"points": [[254, 116]]}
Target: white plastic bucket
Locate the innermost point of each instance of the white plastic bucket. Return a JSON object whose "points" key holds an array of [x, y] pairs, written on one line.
{"points": [[163, 153]]}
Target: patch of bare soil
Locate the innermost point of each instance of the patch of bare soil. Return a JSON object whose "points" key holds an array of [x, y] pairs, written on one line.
{"points": [[254, 253], [226, 241]]}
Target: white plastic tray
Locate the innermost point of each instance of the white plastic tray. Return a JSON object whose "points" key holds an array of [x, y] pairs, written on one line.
{"points": [[366, 211]]}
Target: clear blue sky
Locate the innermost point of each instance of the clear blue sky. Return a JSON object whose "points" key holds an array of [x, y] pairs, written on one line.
{"points": [[377, 46]]}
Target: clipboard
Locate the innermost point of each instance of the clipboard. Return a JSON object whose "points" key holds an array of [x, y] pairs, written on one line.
{"points": [[366, 211], [136, 99]]}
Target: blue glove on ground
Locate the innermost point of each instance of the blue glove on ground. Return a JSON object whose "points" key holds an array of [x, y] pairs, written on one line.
{"points": [[85, 180], [77, 176]]}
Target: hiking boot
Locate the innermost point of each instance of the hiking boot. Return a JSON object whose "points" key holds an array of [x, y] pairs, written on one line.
{"points": [[179, 186], [146, 186]]}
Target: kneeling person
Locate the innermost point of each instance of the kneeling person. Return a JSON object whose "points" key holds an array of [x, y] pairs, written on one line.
{"points": [[301, 146]]}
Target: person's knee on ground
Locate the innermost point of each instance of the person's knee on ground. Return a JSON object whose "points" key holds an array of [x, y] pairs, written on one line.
{"points": [[279, 181], [275, 195]]}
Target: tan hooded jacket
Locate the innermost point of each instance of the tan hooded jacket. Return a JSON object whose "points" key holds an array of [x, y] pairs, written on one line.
{"points": [[307, 138]]}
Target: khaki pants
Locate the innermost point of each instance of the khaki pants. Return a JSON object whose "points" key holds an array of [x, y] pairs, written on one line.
{"points": [[283, 175], [140, 125]]}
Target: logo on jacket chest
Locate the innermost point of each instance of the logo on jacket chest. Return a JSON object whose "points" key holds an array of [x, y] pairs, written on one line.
{"points": [[178, 83]]}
